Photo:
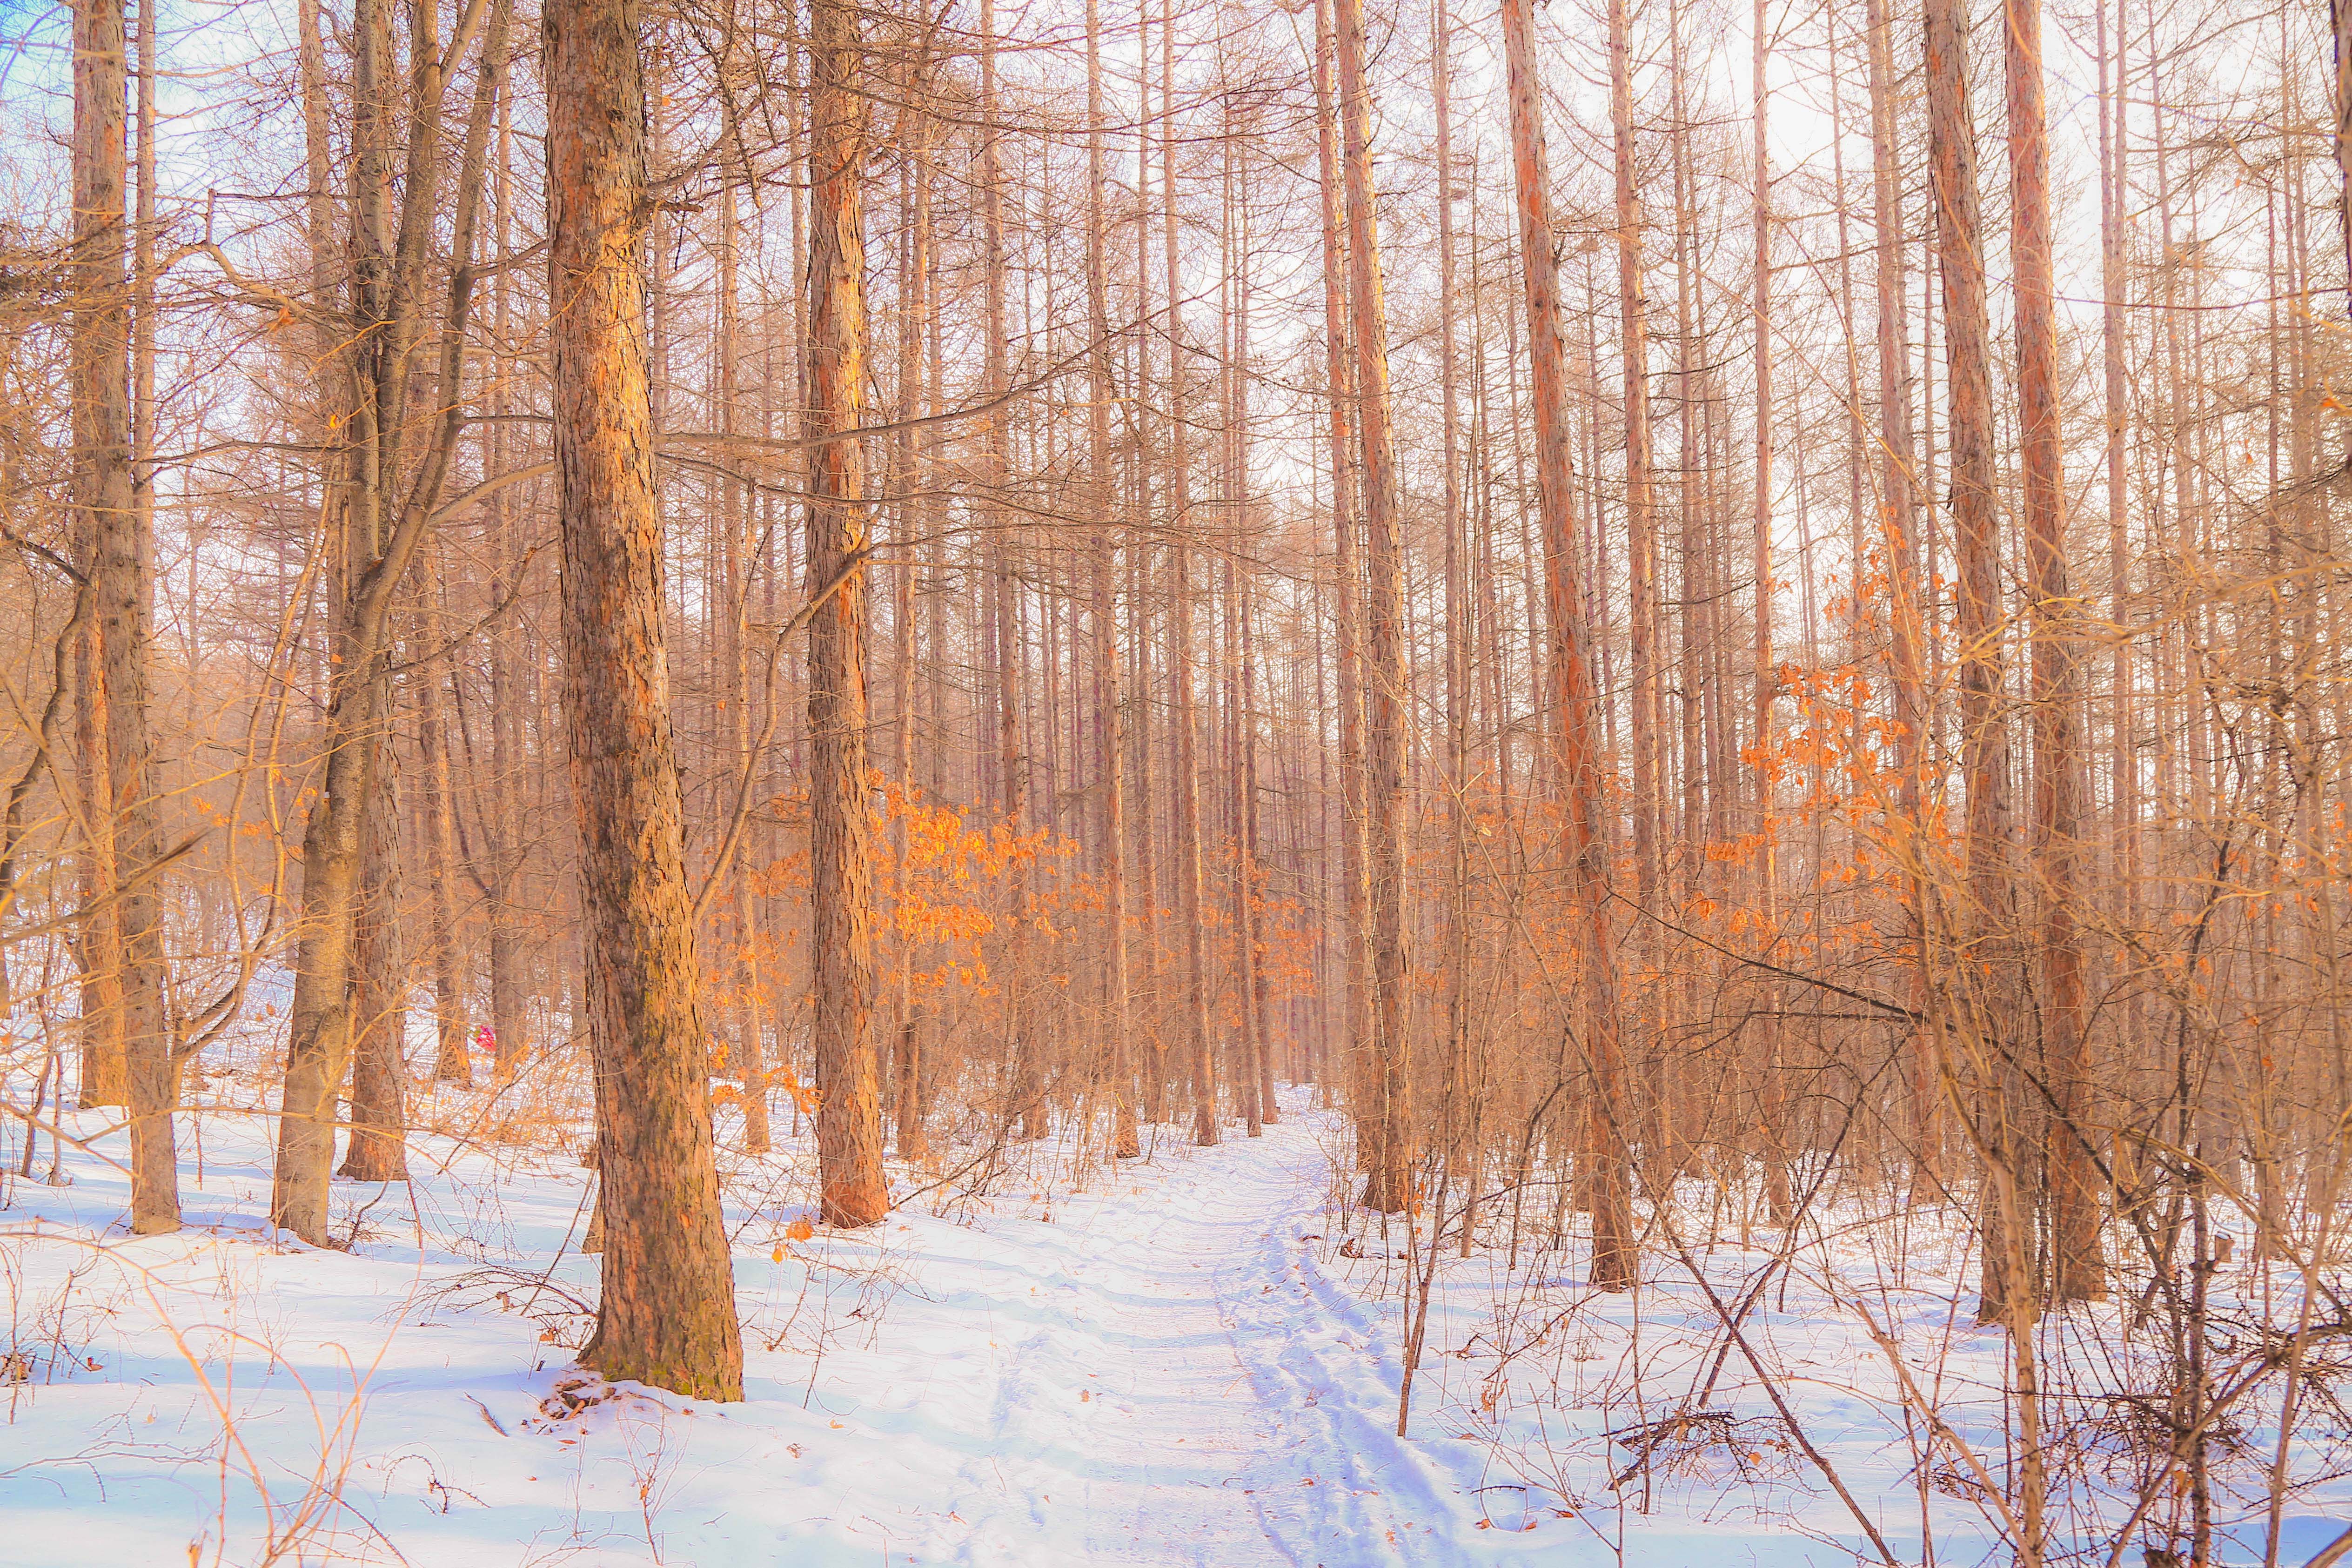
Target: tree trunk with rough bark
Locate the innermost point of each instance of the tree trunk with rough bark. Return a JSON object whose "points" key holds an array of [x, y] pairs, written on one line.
{"points": [[1899, 514], [377, 1150], [1984, 935], [852, 1191], [452, 1062], [1200, 1058], [2059, 787], [1338, 394], [667, 1314], [1770, 1100], [1388, 1178], [1111, 819], [1577, 763], [116, 566]]}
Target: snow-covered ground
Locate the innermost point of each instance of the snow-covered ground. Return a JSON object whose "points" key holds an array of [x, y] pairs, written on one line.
{"points": [[1149, 1371], [1183, 1359]]}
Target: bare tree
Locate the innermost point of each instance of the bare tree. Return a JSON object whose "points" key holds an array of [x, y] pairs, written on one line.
{"points": [[2058, 782], [849, 1126], [666, 1315], [1388, 1182], [118, 572]]}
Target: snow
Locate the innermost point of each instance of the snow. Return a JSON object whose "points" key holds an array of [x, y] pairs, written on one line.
{"points": [[1142, 1372], [1169, 1361]]}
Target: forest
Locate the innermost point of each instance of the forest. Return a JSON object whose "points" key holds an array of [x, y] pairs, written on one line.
{"points": [[1433, 783]]}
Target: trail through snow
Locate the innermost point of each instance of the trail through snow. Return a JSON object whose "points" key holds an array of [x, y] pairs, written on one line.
{"points": [[1152, 1370], [1171, 1364], [1175, 1399], [1176, 1454]]}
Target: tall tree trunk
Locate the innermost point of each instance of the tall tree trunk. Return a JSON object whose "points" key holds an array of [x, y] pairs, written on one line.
{"points": [[380, 1066], [1898, 518], [1339, 398], [917, 304], [1141, 637], [2058, 788], [1388, 1181], [1576, 760], [849, 1129], [377, 513], [1770, 1100], [503, 833], [379, 1114], [1641, 538], [117, 564], [1026, 1105], [667, 1314], [1259, 998], [2122, 739], [502, 906], [321, 1025], [1460, 1110], [98, 937], [451, 1061], [1252, 1072], [2339, 19], [739, 558], [379, 1087], [1111, 823], [1984, 940], [2058, 784], [1695, 617], [1186, 786]]}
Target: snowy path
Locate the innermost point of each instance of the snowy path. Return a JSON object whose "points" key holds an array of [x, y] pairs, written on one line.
{"points": [[1154, 1370], [1171, 1366], [1191, 1441], [1167, 1463]]}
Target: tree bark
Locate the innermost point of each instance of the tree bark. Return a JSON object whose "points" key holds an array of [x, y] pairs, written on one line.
{"points": [[1025, 1106], [1201, 1061], [376, 515], [1339, 392], [1460, 1110], [918, 302], [2058, 792], [666, 1315], [98, 937], [118, 566], [1388, 1180], [2340, 22], [1770, 1100], [2059, 787], [1111, 821], [377, 1150], [452, 1063], [1577, 764], [1899, 514], [1985, 934], [1641, 542], [319, 1022], [852, 1191]]}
